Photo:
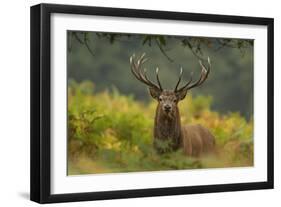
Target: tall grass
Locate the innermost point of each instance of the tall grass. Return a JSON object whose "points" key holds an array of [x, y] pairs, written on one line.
{"points": [[111, 132]]}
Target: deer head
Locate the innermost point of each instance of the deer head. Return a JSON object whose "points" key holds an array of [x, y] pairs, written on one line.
{"points": [[167, 99]]}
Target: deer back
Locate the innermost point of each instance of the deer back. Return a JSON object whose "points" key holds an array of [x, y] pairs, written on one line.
{"points": [[197, 140]]}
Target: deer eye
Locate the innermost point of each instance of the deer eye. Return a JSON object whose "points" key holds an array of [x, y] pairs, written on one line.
{"points": [[160, 99], [175, 100]]}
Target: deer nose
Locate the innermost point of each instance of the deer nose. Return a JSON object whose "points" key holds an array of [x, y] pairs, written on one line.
{"points": [[167, 107]]}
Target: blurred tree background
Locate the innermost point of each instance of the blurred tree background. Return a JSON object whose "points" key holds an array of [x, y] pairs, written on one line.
{"points": [[103, 58]]}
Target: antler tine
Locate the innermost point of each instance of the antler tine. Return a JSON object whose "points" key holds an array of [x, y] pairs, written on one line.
{"points": [[149, 81], [203, 76], [176, 88], [133, 67], [157, 77], [142, 56], [140, 60], [190, 80], [141, 75]]}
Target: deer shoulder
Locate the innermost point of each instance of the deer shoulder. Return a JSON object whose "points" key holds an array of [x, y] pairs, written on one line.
{"points": [[197, 140]]}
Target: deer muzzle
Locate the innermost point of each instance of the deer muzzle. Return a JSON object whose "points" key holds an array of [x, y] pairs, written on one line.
{"points": [[167, 108]]}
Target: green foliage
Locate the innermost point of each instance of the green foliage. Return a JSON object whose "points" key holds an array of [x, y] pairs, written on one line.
{"points": [[111, 132]]}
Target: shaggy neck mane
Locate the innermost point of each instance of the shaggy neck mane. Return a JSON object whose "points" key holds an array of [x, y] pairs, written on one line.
{"points": [[168, 127]]}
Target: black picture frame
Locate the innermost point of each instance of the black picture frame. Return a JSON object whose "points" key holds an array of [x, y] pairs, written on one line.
{"points": [[41, 99]]}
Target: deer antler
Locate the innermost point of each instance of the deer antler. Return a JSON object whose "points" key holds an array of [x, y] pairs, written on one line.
{"points": [[203, 76], [141, 74]]}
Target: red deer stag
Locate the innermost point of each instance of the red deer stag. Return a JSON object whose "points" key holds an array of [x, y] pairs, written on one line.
{"points": [[193, 139]]}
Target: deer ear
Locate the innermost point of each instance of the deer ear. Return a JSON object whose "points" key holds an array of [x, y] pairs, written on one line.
{"points": [[154, 92], [181, 94]]}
